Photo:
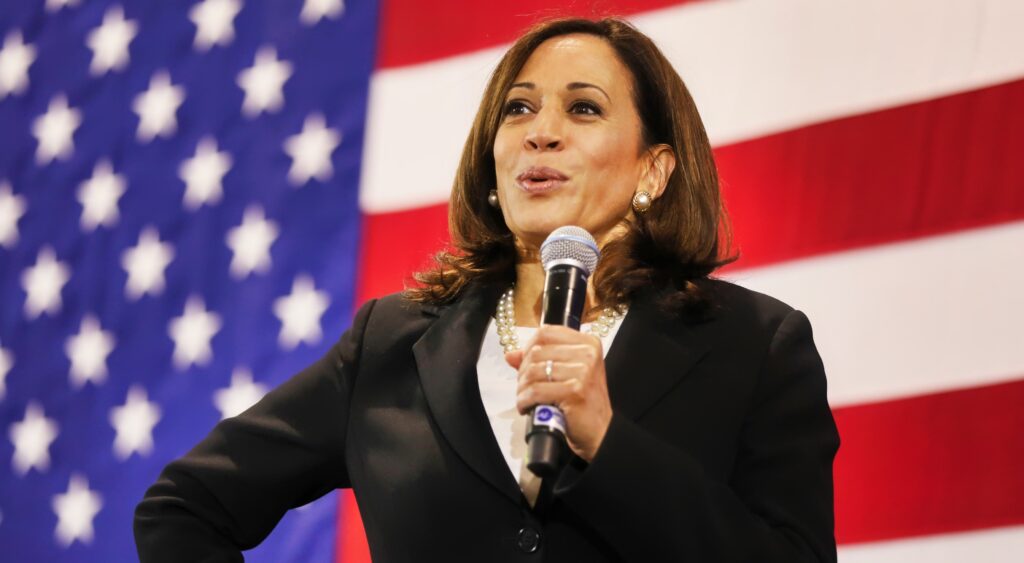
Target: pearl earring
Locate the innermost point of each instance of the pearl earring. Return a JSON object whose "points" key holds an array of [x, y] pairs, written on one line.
{"points": [[642, 201], [492, 199]]}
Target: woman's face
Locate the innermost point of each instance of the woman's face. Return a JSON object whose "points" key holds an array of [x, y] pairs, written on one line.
{"points": [[568, 150]]}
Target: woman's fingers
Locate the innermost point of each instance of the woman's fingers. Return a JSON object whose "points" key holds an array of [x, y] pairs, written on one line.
{"points": [[556, 334], [514, 358], [544, 393], [559, 353], [560, 371]]}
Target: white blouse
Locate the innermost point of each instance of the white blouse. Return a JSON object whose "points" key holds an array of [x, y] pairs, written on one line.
{"points": [[497, 382]]}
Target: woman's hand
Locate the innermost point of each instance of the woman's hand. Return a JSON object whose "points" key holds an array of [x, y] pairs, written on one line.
{"points": [[578, 386]]}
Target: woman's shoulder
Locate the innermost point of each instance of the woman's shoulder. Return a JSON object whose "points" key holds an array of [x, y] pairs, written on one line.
{"points": [[739, 308], [739, 299], [396, 310]]}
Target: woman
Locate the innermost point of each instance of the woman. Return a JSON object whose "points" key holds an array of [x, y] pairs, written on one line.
{"points": [[703, 435]]}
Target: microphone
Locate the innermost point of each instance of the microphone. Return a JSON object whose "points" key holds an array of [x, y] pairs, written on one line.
{"points": [[569, 256]]}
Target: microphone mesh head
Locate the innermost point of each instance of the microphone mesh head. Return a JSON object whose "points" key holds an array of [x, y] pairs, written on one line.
{"points": [[570, 243]]}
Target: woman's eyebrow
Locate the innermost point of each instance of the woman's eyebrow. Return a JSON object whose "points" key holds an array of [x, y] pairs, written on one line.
{"points": [[569, 86], [579, 85]]}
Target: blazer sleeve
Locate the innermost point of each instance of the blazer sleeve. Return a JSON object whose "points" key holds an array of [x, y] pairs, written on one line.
{"points": [[229, 492], [778, 504]]}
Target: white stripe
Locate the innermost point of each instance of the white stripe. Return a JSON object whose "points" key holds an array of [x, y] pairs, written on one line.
{"points": [[761, 67], [999, 545], [417, 122], [935, 314], [754, 68]]}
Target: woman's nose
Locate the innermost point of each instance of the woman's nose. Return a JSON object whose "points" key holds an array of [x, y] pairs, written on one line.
{"points": [[544, 135]]}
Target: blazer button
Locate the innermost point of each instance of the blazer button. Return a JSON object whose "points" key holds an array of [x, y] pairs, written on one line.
{"points": [[528, 539]]}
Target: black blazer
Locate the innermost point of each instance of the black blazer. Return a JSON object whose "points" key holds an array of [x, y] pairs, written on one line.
{"points": [[720, 447]]}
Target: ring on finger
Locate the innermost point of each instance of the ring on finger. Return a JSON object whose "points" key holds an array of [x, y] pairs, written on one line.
{"points": [[548, 365]]}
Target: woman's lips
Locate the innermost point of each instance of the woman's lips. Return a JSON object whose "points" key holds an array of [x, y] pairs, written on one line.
{"points": [[540, 179], [538, 186]]}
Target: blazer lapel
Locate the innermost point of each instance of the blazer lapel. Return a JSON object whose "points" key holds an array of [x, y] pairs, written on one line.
{"points": [[650, 354], [446, 357]]}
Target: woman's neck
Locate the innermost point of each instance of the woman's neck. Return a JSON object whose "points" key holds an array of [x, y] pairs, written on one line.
{"points": [[529, 293]]}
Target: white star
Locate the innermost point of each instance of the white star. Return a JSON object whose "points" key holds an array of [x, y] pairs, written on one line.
{"points": [[56, 5], [6, 363], [12, 207], [43, 283], [145, 264], [315, 10], [134, 421], [88, 351], [99, 195], [311, 151], [214, 22], [300, 313], [242, 394], [75, 511], [250, 243], [109, 42], [157, 107], [15, 58], [202, 174], [263, 83], [32, 438], [192, 332], [54, 130]]}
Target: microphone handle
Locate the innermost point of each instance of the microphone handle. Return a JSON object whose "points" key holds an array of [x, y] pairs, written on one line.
{"points": [[565, 293]]}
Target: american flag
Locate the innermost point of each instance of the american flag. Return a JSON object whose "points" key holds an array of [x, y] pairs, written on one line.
{"points": [[180, 226], [194, 194]]}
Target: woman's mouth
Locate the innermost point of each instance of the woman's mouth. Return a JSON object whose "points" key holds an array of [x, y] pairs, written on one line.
{"points": [[540, 179]]}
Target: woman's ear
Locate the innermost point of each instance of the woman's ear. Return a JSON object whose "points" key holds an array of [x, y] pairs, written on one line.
{"points": [[659, 163]]}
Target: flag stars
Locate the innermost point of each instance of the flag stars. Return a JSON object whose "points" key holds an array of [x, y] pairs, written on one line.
{"points": [[214, 21], [54, 130], [99, 196], [157, 107], [6, 363], [133, 422], [250, 243], [311, 151], [300, 313], [192, 332], [88, 351], [203, 173], [263, 83], [315, 10], [240, 395], [75, 511], [43, 283], [109, 42], [15, 59], [145, 264], [32, 438], [12, 207], [53, 6]]}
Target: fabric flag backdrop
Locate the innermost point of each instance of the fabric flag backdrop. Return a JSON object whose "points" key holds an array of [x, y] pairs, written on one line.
{"points": [[193, 196]]}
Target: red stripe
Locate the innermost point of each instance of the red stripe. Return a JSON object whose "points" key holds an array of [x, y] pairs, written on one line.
{"points": [[351, 546], [397, 244], [413, 31], [916, 170], [933, 464]]}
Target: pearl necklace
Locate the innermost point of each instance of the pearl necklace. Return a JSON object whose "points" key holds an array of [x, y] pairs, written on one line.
{"points": [[505, 321]]}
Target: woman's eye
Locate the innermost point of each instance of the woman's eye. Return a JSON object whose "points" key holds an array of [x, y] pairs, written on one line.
{"points": [[586, 108], [515, 107]]}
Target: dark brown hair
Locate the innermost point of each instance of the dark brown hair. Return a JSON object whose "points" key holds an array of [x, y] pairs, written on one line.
{"points": [[681, 239]]}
